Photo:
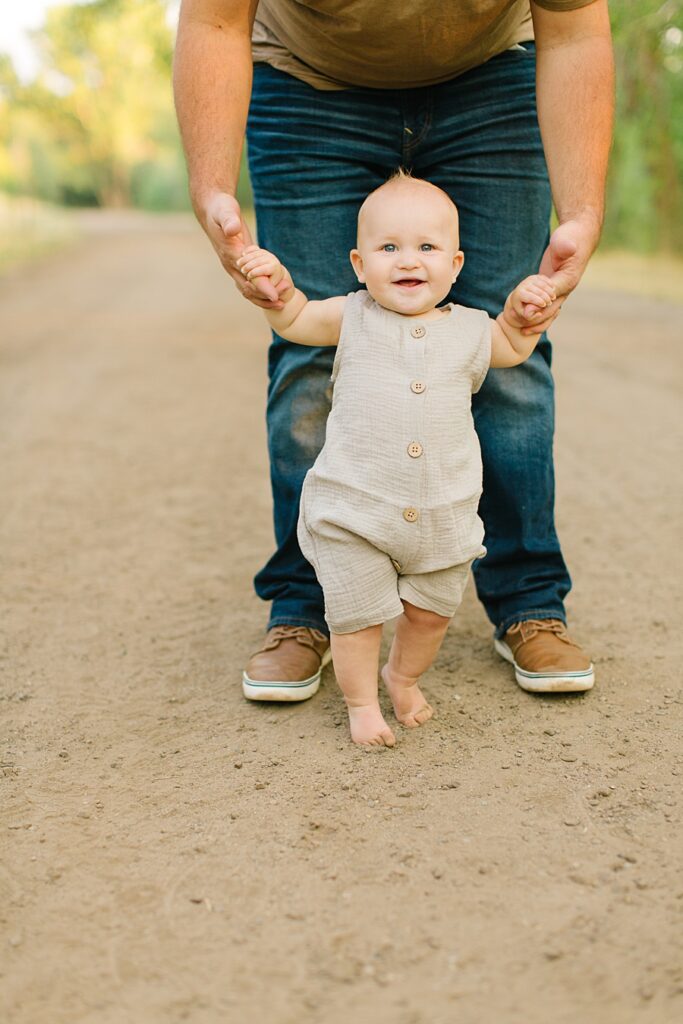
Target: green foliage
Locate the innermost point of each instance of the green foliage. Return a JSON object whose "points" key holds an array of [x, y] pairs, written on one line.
{"points": [[100, 114], [97, 125], [645, 195]]}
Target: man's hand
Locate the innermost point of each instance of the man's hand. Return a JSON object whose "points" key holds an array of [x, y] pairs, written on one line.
{"points": [[528, 302], [563, 263], [221, 218], [260, 265]]}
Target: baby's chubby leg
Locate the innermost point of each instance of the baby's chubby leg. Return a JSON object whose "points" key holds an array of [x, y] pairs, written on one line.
{"points": [[356, 660], [418, 637]]}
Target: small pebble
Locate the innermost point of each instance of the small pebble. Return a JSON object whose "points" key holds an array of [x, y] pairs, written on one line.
{"points": [[579, 879]]}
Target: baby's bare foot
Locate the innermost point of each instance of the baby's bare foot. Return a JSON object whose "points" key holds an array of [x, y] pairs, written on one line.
{"points": [[368, 727], [410, 706]]}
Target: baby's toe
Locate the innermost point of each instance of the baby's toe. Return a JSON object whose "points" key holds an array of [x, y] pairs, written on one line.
{"points": [[417, 718]]}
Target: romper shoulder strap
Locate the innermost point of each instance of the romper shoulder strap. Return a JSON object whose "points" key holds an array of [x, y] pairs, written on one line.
{"points": [[352, 318], [475, 328]]}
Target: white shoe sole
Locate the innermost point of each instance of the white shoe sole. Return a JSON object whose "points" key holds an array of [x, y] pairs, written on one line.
{"points": [[546, 682], [253, 689]]}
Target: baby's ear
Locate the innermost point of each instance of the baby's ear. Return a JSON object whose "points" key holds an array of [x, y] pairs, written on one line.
{"points": [[357, 264], [458, 261]]}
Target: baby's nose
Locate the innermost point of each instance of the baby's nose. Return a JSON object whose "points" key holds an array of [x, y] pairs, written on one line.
{"points": [[409, 258]]}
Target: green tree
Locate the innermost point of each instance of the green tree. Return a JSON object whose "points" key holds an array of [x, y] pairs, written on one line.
{"points": [[97, 124], [645, 195]]}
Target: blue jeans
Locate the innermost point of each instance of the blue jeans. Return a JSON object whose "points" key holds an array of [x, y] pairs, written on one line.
{"points": [[313, 157]]}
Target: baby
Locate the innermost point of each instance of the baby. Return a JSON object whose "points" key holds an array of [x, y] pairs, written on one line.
{"points": [[388, 513]]}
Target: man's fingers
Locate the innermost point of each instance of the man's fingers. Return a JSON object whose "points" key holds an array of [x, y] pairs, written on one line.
{"points": [[541, 325], [265, 287], [558, 257], [561, 250], [257, 298], [224, 211], [227, 219], [547, 315], [565, 258], [230, 225]]}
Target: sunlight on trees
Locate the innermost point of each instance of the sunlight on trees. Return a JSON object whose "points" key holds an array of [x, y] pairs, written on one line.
{"points": [[97, 126]]}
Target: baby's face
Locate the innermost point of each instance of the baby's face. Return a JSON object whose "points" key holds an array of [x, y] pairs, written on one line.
{"points": [[408, 252]]}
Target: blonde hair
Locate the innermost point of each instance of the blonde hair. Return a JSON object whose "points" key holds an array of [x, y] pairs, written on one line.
{"points": [[403, 176]]}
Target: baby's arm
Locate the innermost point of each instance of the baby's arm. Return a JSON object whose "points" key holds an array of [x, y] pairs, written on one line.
{"points": [[301, 321], [508, 345]]}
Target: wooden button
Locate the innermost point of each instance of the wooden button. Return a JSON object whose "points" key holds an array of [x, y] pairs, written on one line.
{"points": [[415, 449], [418, 386], [419, 331], [410, 515]]}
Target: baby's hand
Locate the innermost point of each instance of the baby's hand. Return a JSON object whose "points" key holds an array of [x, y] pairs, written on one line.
{"points": [[526, 303], [255, 262]]}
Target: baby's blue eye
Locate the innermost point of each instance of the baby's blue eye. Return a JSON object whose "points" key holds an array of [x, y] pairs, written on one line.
{"points": [[389, 247], [426, 247]]}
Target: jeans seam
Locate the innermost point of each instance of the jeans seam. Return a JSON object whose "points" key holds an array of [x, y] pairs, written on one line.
{"points": [[529, 613], [408, 148]]}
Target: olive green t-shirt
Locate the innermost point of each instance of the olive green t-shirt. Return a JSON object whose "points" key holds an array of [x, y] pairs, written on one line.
{"points": [[389, 44]]}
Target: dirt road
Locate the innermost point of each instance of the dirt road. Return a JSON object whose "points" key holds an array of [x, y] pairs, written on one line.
{"points": [[169, 852]]}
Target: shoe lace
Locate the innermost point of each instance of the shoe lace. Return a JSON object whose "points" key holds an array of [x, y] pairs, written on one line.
{"points": [[302, 634], [529, 628]]}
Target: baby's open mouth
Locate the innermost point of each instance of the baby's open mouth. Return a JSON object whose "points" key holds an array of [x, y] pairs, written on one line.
{"points": [[408, 282]]}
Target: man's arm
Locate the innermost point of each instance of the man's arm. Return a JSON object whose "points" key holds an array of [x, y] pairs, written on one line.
{"points": [[212, 77], [575, 97]]}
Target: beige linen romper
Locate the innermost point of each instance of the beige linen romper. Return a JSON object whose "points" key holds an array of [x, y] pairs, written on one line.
{"points": [[389, 509]]}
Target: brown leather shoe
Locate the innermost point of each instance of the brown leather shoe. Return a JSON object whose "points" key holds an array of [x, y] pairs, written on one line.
{"points": [[288, 666], [545, 659]]}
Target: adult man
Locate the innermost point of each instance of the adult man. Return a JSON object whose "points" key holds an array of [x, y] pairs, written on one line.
{"points": [[343, 93]]}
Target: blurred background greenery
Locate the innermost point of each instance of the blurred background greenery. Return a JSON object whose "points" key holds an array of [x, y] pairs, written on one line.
{"points": [[93, 124]]}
